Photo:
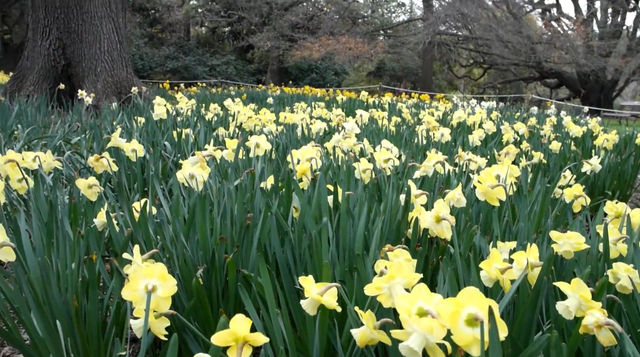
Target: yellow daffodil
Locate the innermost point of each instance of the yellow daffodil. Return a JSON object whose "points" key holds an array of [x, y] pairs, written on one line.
{"points": [[44, 160], [153, 279], [597, 323], [439, 221], [369, 334], [364, 170], [392, 281], [89, 187], [157, 323], [465, 313], [102, 163], [455, 197], [555, 147], [385, 160], [194, 176], [616, 210], [435, 162], [591, 166], [419, 302], [330, 196], [138, 206], [527, 261], [489, 189], [134, 150], [624, 277], [229, 153], [101, 219], [578, 300], [418, 197], [504, 248], [617, 245], [258, 145], [566, 244], [394, 254], [318, 294], [576, 195], [116, 141], [20, 181], [137, 260], [7, 254], [268, 183], [3, 197], [238, 337], [421, 334], [493, 269]]}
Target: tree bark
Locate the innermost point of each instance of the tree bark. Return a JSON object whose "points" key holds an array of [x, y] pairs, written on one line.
{"points": [[427, 57], [79, 43], [1, 38], [598, 96], [276, 73]]}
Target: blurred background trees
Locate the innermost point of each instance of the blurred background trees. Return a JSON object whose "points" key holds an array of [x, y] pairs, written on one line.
{"points": [[586, 51]]}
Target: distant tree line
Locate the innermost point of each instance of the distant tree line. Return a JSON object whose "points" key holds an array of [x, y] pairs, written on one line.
{"points": [[588, 52]]}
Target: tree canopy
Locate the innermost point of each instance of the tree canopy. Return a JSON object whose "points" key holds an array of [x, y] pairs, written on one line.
{"points": [[576, 50]]}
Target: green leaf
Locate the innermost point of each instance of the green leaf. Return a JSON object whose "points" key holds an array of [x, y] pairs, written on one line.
{"points": [[495, 346], [172, 350], [537, 347]]}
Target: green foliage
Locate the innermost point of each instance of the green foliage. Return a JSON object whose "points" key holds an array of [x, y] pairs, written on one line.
{"points": [[187, 61], [322, 73], [236, 247]]}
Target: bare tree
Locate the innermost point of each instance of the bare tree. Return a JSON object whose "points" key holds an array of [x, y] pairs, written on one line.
{"points": [[275, 28], [79, 43], [591, 49], [427, 55]]}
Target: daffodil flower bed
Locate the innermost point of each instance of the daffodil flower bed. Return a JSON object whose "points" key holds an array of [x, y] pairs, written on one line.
{"points": [[302, 222]]}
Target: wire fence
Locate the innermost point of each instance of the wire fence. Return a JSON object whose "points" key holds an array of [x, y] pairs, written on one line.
{"points": [[381, 87]]}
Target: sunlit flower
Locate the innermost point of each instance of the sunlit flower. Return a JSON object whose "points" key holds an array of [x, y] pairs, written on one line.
{"points": [[318, 294], [7, 254], [138, 206], [566, 244], [238, 337], [157, 324], [578, 299], [597, 323], [369, 333], [89, 187], [465, 313], [153, 280], [624, 277]]}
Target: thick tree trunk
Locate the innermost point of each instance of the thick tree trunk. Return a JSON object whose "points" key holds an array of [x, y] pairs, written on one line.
{"points": [[1, 37], [276, 74], [79, 43], [426, 83], [598, 96]]}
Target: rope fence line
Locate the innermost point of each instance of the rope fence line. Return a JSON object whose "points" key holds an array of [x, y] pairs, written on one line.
{"points": [[382, 86]]}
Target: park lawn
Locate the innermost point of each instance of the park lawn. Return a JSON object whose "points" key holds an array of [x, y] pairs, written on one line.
{"points": [[321, 217]]}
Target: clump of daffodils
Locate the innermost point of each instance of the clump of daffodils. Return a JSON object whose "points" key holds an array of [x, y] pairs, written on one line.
{"points": [[134, 150], [426, 318], [579, 303], [17, 166], [497, 268]]}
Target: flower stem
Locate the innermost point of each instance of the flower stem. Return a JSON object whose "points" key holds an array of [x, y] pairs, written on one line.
{"points": [[143, 347]]}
